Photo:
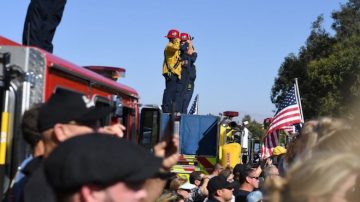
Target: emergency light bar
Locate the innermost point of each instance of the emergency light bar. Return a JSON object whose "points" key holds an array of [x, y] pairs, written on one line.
{"points": [[113, 73], [231, 113]]}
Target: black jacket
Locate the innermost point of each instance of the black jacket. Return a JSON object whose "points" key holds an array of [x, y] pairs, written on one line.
{"points": [[37, 189]]}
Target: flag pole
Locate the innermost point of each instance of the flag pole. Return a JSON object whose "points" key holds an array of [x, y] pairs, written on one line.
{"points": [[297, 92], [197, 105]]}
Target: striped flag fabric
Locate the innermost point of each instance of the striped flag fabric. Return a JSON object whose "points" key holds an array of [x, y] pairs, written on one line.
{"points": [[270, 141], [289, 129], [195, 106], [288, 113], [293, 129]]}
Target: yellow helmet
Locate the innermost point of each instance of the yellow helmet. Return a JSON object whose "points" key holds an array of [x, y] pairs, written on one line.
{"points": [[278, 151]]}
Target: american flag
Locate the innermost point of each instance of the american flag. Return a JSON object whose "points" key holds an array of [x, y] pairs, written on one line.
{"points": [[289, 129], [195, 106], [269, 142], [286, 116], [288, 113]]}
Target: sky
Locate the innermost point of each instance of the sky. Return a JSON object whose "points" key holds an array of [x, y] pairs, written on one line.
{"points": [[240, 43]]}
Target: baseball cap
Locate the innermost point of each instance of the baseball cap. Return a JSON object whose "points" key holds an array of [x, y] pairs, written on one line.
{"points": [[98, 159], [218, 182], [279, 150], [187, 186], [65, 106]]}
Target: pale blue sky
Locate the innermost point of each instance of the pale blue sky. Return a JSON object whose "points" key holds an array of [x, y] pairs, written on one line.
{"points": [[240, 44]]}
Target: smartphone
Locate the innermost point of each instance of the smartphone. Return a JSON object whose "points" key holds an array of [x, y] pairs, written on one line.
{"points": [[170, 125]]}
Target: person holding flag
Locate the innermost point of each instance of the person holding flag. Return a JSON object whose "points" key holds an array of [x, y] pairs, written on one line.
{"points": [[288, 114]]}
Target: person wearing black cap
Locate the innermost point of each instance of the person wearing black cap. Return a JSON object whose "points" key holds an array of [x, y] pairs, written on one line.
{"points": [[98, 167], [66, 114], [32, 136], [248, 177], [220, 190]]}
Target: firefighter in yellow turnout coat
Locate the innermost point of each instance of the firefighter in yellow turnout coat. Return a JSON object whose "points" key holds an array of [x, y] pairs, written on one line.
{"points": [[171, 70]]}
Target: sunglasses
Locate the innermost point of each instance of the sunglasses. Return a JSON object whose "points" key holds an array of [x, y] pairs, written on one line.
{"points": [[187, 190], [254, 177]]}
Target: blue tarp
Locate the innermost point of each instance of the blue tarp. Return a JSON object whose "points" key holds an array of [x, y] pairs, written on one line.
{"points": [[198, 134]]}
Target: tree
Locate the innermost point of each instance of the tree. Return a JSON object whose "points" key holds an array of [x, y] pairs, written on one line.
{"points": [[328, 67], [347, 20], [338, 78], [318, 45], [336, 75]]}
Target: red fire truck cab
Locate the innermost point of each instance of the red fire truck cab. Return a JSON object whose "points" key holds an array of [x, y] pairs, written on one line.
{"points": [[29, 75]]}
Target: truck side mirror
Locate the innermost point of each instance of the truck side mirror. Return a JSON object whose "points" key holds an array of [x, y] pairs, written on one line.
{"points": [[149, 131]]}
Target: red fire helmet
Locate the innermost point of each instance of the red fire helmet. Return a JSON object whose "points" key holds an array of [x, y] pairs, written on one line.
{"points": [[173, 33], [184, 36]]}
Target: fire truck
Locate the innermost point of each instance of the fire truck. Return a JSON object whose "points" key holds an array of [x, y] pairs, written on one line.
{"points": [[29, 75], [206, 140]]}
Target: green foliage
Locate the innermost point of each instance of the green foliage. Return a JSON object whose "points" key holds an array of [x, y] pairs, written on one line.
{"points": [[328, 67], [338, 77], [346, 21]]}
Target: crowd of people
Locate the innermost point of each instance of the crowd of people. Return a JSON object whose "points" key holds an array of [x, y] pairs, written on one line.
{"points": [[322, 163], [179, 72], [77, 159]]}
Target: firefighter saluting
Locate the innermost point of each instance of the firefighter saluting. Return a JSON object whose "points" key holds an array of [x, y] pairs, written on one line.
{"points": [[188, 74], [171, 70]]}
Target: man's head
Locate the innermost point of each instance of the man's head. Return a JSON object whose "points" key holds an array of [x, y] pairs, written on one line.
{"points": [[66, 114], [238, 169], [271, 171], [173, 34], [249, 177], [184, 36], [217, 169], [196, 178], [185, 190], [29, 125], [220, 189], [228, 174], [100, 167], [268, 161]]}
